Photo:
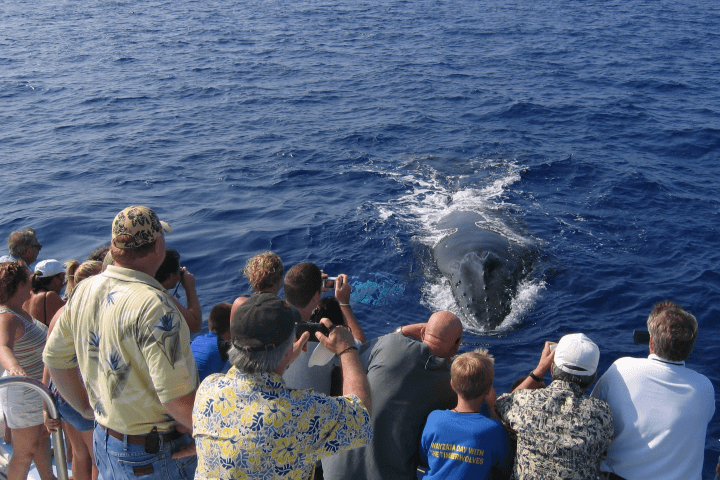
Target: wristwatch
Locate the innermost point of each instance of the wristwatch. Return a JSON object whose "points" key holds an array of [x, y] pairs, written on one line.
{"points": [[399, 330], [535, 377]]}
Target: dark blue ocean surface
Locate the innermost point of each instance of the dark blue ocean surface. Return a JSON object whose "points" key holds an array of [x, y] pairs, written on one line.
{"points": [[340, 132]]}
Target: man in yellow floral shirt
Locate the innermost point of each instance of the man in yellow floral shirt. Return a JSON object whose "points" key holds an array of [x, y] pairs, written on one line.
{"points": [[248, 424]]}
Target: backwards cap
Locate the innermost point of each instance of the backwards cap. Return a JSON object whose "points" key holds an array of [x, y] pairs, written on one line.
{"points": [[263, 322], [141, 224], [577, 355]]}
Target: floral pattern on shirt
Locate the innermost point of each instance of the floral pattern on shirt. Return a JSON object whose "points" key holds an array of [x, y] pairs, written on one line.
{"points": [[560, 432], [123, 331], [254, 427]]}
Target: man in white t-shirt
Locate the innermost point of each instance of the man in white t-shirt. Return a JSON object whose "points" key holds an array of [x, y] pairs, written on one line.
{"points": [[661, 409]]}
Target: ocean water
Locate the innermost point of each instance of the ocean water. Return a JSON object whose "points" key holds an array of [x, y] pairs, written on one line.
{"points": [[340, 132]]}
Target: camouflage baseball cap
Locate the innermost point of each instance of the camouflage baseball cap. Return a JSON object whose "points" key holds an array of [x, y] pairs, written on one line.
{"points": [[137, 226]]}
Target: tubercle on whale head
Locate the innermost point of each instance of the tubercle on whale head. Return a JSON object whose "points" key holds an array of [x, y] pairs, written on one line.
{"points": [[483, 289], [483, 267]]}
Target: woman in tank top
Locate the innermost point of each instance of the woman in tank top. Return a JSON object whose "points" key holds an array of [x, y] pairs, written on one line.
{"points": [[78, 430], [22, 339], [46, 282]]}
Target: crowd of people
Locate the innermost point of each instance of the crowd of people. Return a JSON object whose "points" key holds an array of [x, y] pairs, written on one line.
{"points": [[292, 388]]}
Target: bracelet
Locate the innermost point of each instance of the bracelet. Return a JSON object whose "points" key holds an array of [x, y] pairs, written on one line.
{"points": [[344, 304], [347, 349], [535, 377]]}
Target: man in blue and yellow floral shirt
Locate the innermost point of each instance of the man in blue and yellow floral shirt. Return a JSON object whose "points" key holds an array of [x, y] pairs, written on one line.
{"points": [[248, 424]]}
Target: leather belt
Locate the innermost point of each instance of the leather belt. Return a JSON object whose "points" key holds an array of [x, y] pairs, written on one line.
{"points": [[140, 439]]}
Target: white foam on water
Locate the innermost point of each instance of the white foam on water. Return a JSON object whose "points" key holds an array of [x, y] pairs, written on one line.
{"points": [[430, 198]]}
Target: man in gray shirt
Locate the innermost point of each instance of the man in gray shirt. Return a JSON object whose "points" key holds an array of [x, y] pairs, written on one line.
{"points": [[408, 380]]}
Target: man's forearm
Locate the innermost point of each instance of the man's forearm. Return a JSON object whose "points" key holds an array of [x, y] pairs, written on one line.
{"points": [[530, 383], [181, 409], [70, 385], [193, 322], [414, 330], [193, 305], [352, 323], [355, 380]]}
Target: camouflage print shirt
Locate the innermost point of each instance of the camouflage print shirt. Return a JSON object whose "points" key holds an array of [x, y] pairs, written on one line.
{"points": [[132, 346], [560, 432]]}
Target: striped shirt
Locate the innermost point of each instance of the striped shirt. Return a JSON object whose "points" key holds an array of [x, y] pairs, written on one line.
{"points": [[29, 347]]}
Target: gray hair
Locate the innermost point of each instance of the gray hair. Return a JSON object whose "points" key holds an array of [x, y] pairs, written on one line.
{"points": [[673, 331], [582, 381], [263, 361], [20, 240]]}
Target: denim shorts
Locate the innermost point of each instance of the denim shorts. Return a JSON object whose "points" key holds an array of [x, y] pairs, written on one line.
{"points": [[23, 406], [117, 459], [73, 417]]}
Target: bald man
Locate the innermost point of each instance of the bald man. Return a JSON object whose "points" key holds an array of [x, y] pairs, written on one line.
{"points": [[409, 375]]}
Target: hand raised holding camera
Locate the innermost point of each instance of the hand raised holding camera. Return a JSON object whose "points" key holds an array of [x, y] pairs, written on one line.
{"points": [[342, 289], [338, 340]]}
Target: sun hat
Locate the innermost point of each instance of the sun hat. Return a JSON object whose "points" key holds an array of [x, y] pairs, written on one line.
{"points": [[263, 322], [576, 354], [50, 268], [141, 224]]}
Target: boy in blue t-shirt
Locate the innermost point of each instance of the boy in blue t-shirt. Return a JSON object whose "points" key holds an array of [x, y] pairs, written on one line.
{"points": [[463, 443], [210, 350]]}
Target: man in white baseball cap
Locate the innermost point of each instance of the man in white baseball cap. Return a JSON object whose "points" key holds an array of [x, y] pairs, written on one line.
{"points": [[561, 433]]}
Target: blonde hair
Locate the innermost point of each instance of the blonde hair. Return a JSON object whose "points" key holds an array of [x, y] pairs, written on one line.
{"points": [[264, 271], [472, 373], [76, 272]]}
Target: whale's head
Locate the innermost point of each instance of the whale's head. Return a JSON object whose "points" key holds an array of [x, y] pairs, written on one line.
{"points": [[484, 285]]}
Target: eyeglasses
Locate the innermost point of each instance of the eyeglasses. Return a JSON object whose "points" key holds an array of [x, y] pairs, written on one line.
{"points": [[37, 245]]}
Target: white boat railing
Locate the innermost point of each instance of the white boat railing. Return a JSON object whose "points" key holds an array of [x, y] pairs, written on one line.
{"points": [[57, 435]]}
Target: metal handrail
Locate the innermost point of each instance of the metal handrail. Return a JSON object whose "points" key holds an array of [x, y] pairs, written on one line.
{"points": [[49, 399]]}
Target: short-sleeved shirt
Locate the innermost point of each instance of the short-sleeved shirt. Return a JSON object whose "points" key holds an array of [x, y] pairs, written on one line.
{"points": [[124, 332], [252, 426], [300, 375], [206, 350], [407, 383], [464, 445], [560, 432], [661, 411]]}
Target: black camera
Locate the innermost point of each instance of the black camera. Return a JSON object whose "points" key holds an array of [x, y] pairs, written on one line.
{"points": [[300, 328], [329, 283], [641, 337]]}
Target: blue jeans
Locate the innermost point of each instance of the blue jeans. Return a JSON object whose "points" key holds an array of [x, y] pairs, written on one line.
{"points": [[117, 459]]}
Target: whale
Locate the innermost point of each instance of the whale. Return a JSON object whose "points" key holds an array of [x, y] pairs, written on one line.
{"points": [[483, 267]]}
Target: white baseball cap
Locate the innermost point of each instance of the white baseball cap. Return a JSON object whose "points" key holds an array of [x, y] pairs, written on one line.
{"points": [[577, 355], [50, 268]]}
